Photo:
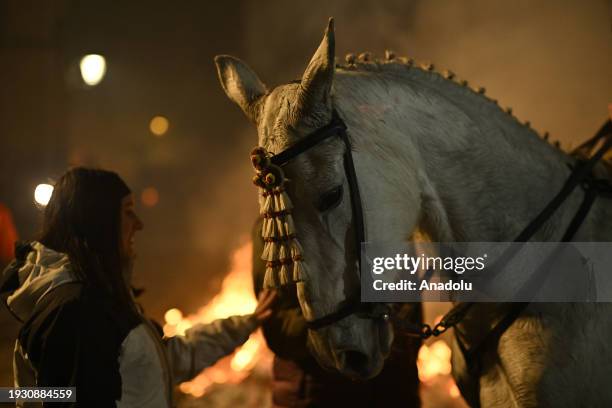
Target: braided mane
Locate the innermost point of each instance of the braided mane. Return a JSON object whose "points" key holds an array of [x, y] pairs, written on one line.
{"points": [[364, 62]]}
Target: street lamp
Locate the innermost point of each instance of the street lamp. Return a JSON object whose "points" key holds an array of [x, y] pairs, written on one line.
{"points": [[93, 68], [42, 194]]}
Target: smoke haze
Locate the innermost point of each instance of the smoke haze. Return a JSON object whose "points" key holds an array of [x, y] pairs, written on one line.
{"points": [[549, 60]]}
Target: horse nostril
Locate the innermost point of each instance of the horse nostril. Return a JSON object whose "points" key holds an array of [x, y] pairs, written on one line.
{"points": [[356, 361]]}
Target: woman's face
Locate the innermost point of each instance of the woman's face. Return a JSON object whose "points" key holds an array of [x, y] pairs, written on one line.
{"points": [[130, 223]]}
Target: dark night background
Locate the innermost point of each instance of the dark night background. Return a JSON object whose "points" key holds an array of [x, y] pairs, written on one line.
{"points": [[550, 60]]}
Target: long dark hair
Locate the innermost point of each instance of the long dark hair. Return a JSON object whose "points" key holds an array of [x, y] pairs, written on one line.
{"points": [[82, 219]]}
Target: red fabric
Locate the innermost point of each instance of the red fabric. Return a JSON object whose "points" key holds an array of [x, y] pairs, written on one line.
{"points": [[8, 236]]}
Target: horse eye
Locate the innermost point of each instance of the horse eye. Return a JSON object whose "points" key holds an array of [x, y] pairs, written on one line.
{"points": [[330, 199]]}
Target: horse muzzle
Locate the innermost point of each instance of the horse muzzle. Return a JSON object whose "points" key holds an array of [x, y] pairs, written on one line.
{"points": [[355, 347]]}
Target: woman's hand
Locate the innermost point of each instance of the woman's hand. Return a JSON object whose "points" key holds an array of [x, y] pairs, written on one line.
{"points": [[263, 311]]}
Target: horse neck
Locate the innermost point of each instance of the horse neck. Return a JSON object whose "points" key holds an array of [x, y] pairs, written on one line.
{"points": [[482, 175]]}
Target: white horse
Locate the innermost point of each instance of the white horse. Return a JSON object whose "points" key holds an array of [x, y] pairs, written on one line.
{"points": [[436, 156]]}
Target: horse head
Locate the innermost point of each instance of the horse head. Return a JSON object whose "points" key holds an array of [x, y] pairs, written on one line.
{"points": [[317, 185]]}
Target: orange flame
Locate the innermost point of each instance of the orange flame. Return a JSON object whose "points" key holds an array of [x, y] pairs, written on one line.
{"points": [[434, 365], [434, 360], [235, 298]]}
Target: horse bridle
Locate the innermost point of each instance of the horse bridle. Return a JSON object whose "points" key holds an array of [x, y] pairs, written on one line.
{"points": [[337, 127]]}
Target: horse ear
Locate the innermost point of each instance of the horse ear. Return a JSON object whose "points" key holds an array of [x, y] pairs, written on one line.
{"points": [[317, 80], [240, 84]]}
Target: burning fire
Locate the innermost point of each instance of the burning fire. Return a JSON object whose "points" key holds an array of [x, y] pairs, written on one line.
{"points": [[434, 360], [434, 365], [235, 298]]}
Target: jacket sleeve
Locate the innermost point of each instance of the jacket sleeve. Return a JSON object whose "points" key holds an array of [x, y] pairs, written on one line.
{"points": [[204, 344]]}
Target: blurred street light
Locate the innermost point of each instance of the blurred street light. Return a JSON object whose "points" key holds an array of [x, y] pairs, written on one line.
{"points": [[42, 194], [159, 125], [149, 196], [93, 68]]}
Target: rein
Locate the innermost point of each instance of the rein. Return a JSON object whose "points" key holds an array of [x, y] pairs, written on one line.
{"points": [[580, 175]]}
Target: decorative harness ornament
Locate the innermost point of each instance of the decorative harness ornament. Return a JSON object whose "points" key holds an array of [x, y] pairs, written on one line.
{"points": [[282, 251]]}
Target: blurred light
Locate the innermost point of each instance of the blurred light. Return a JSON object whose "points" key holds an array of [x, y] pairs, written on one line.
{"points": [[173, 316], [453, 390], [183, 326], [159, 125], [149, 196], [42, 194], [434, 360], [244, 359], [93, 68]]}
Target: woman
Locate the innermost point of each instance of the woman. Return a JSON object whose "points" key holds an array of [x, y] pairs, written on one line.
{"points": [[81, 327]]}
